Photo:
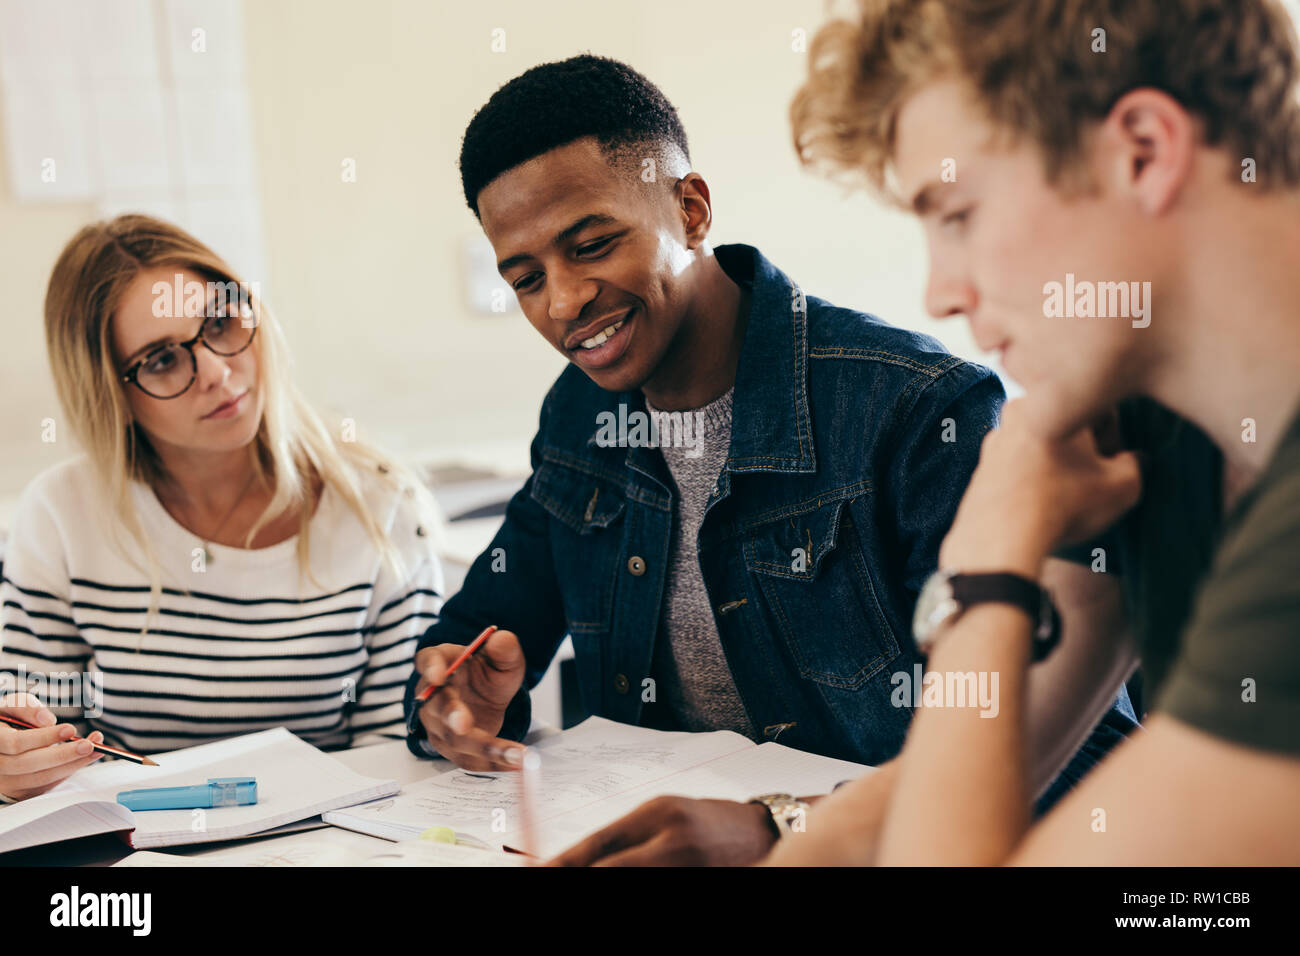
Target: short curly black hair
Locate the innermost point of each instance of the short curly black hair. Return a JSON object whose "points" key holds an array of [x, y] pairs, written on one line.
{"points": [[554, 104]]}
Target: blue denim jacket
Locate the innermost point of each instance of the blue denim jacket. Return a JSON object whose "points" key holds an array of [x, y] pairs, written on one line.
{"points": [[852, 442]]}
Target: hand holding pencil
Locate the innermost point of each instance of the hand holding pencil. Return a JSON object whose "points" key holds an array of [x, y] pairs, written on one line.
{"points": [[34, 760], [468, 689]]}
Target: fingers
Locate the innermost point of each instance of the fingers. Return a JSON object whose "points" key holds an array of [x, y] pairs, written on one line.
{"points": [[466, 709], [502, 652], [480, 751], [446, 713], [598, 846], [27, 707], [678, 831], [1124, 473], [1118, 490], [33, 785], [477, 694], [1106, 432], [627, 832], [51, 756], [432, 664], [495, 675], [15, 741], [490, 754], [36, 770], [452, 730], [661, 850], [17, 746], [496, 671]]}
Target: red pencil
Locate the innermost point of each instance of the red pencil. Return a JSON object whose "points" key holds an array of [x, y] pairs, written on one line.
{"points": [[465, 655], [102, 748], [424, 695]]}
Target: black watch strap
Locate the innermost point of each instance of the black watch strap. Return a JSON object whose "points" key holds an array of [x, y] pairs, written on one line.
{"points": [[1003, 587], [1000, 586]]}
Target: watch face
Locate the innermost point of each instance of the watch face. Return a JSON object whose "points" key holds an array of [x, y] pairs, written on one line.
{"points": [[935, 605]]}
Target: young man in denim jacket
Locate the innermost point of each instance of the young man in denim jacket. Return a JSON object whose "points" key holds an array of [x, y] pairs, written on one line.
{"points": [[738, 489]]}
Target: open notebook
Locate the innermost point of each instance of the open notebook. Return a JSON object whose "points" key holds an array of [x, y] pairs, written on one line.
{"points": [[589, 777], [321, 853], [294, 781]]}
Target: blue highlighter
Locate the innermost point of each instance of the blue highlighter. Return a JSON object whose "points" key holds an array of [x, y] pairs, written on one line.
{"points": [[217, 792]]}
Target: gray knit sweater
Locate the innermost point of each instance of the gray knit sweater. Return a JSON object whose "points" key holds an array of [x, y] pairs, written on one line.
{"points": [[692, 681]]}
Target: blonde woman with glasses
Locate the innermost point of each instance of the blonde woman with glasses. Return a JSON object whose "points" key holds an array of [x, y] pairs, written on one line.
{"points": [[217, 562]]}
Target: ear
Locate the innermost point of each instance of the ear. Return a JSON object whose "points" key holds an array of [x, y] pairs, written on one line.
{"points": [[694, 207], [1145, 148]]}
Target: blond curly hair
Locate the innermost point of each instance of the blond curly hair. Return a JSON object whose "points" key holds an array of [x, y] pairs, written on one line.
{"points": [[1035, 67]]}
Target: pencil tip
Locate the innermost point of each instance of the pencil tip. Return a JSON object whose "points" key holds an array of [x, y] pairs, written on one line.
{"points": [[148, 763]]}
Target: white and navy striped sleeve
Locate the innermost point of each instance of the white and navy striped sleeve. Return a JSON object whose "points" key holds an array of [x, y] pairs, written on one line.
{"points": [[402, 610], [41, 648]]}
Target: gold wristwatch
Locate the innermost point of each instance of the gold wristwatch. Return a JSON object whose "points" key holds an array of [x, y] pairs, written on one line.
{"points": [[788, 813]]}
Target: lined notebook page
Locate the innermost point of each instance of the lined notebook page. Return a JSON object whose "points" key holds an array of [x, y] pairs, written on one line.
{"points": [[410, 853], [23, 826], [294, 781], [738, 775], [592, 775], [582, 769]]}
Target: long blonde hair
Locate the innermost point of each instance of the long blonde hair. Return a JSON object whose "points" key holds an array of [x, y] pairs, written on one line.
{"points": [[292, 448]]}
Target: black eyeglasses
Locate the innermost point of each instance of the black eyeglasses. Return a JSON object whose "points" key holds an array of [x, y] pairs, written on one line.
{"points": [[169, 370]]}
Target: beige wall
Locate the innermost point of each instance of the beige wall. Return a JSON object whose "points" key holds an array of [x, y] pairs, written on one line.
{"points": [[366, 276], [30, 239]]}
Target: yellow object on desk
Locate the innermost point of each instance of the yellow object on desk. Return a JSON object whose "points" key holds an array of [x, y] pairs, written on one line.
{"points": [[439, 835]]}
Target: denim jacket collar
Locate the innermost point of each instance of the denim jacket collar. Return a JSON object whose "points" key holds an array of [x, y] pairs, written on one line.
{"points": [[771, 427]]}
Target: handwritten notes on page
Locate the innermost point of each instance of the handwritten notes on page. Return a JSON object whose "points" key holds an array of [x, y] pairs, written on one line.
{"points": [[590, 776]]}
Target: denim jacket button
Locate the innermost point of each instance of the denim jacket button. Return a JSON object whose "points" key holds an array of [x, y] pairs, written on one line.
{"points": [[636, 564], [620, 683]]}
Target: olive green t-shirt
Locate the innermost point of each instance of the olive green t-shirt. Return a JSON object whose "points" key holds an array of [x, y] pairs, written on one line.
{"points": [[1236, 670]]}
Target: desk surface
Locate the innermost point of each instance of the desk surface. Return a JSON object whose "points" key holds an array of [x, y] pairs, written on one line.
{"points": [[387, 761]]}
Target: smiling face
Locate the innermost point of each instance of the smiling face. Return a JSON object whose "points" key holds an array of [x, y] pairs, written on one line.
{"points": [[221, 410], [1000, 232], [600, 261]]}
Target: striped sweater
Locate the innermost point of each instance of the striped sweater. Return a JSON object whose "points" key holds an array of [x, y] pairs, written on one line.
{"points": [[242, 642]]}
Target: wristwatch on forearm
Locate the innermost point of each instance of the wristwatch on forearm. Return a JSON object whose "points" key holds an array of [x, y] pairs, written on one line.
{"points": [[948, 594], [788, 813]]}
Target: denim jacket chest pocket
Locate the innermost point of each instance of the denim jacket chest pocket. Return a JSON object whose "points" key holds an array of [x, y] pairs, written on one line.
{"points": [[586, 539], [815, 581]]}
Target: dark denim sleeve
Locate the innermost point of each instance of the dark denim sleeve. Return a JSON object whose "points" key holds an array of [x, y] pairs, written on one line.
{"points": [[523, 598], [937, 448], [1116, 724]]}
